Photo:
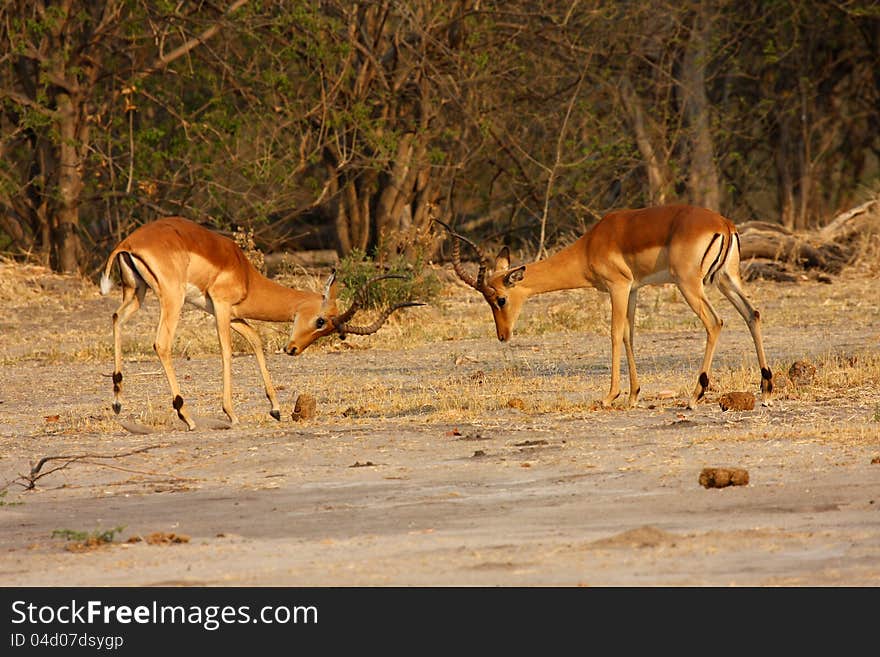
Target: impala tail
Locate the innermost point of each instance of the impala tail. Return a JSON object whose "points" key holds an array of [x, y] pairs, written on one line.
{"points": [[106, 285], [106, 281]]}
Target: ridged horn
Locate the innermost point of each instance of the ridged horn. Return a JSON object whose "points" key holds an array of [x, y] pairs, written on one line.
{"points": [[478, 283], [375, 326]]}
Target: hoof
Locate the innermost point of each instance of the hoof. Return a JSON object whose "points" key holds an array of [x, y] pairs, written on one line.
{"points": [[276, 414], [117, 407]]}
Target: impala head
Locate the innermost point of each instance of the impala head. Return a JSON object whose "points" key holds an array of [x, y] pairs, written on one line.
{"points": [[314, 318], [502, 294], [318, 316], [499, 289]]}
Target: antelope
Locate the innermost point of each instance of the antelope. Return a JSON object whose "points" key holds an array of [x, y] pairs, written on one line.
{"points": [[183, 262], [627, 249]]}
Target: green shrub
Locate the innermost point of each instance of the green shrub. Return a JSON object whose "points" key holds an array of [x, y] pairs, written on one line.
{"points": [[419, 282], [97, 536]]}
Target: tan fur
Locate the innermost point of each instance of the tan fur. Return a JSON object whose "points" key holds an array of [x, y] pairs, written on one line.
{"points": [[625, 250], [182, 261]]}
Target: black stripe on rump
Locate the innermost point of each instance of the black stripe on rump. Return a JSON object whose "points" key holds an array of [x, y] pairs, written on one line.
{"points": [[714, 265]]}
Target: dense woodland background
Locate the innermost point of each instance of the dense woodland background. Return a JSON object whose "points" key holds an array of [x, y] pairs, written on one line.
{"points": [[337, 124]]}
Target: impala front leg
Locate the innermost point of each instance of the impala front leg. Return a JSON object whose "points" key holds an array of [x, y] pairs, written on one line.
{"points": [[619, 296], [250, 334]]}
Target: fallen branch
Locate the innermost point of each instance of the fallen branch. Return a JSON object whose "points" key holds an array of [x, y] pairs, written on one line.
{"points": [[858, 220], [35, 474], [806, 251], [830, 249]]}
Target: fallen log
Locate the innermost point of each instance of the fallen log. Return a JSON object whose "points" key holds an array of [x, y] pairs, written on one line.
{"points": [[759, 239]]}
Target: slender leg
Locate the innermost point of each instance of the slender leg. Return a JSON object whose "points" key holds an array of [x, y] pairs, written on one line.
{"points": [[132, 298], [695, 295], [628, 339], [731, 288], [169, 315], [221, 313], [619, 296], [250, 334]]}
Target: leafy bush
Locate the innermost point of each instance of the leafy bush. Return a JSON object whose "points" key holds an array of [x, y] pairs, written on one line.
{"points": [[95, 537], [420, 283]]}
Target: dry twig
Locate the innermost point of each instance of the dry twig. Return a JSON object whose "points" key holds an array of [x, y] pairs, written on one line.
{"points": [[29, 480]]}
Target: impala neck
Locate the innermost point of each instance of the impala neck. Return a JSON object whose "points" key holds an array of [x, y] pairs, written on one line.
{"points": [[565, 270], [269, 301]]}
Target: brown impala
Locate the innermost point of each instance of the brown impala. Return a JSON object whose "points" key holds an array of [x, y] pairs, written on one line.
{"points": [[182, 262], [625, 250]]}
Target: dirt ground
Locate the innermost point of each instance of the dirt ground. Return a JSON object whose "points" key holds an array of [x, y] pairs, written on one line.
{"points": [[442, 457]]}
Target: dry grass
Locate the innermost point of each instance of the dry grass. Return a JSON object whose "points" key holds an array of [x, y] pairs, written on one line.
{"points": [[52, 319]]}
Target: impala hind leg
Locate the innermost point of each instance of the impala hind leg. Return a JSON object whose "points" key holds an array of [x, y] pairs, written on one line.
{"points": [[250, 334], [730, 287], [169, 315], [619, 333], [695, 295], [628, 338], [133, 291]]}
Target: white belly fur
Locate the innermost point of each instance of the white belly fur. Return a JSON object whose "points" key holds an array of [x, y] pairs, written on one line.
{"points": [[657, 278], [197, 298]]}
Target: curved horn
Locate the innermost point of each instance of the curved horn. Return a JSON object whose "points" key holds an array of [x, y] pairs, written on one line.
{"points": [[328, 287], [340, 320], [477, 283], [375, 326]]}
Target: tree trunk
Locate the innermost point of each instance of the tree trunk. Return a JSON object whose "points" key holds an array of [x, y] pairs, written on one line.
{"points": [[703, 180], [396, 191], [66, 240], [784, 184], [659, 177]]}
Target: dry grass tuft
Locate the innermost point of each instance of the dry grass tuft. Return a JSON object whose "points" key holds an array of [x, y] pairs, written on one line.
{"points": [[52, 319]]}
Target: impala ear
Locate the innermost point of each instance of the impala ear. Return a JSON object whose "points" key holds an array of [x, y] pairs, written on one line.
{"points": [[514, 276], [502, 260], [330, 288]]}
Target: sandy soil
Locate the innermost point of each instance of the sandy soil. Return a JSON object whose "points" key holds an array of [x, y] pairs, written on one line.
{"points": [[377, 491]]}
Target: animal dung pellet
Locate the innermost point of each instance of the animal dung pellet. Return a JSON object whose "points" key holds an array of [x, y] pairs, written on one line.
{"points": [[801, 372], [165, 538], [305, 407], [737, 401], [723, 477], [780, 382]]}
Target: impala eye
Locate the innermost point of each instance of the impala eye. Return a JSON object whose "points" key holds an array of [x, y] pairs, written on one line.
{"points": [[501, 301], [320, 322]]}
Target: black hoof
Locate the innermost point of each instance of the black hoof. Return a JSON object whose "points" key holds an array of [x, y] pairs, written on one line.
{"points": [[276, 415], [117, 407]]}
